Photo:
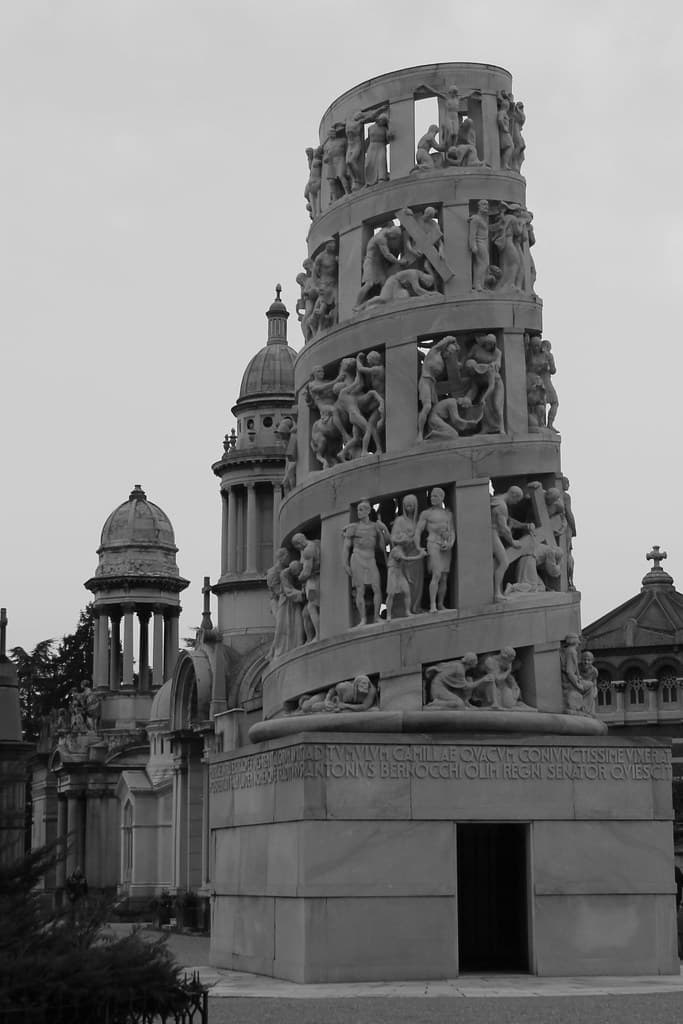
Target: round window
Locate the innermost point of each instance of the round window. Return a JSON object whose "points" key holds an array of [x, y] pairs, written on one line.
{"points": [[267, 421], [250, 424]]}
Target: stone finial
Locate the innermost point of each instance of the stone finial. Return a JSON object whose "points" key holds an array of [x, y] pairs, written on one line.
{"points": [[3, 634], [137, 494], [656, 556], [657, 574], [207, 624]]}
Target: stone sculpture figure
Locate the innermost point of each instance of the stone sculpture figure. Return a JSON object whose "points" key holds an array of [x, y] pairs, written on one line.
{"points": [[92, 705], [382, 253], [404, 284], [398, 583], [305, 304], [571, 523], [463, 152], [314, 183], [449, 130], [325, 279], [505, 142], [289, 625], [355, 149], [309, 556], [376, 168], [274, 587], [433, 370], [452, 683], [361, 411], [403, 533], [501, 534], [478, 239], [535, 402], [334, 156], [437, 521], [359, 694], [540, 361], [287, 433], [445, 421], [517, 119], [504, 239], [424, 161], [363, 542], [579, 678], [498, 686], [482, 366]]}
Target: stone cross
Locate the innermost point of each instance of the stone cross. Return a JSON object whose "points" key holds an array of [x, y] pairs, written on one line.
{"points": [[656, 556], [3, 634]]}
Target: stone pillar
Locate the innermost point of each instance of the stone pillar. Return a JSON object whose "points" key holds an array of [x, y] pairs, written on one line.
{"points": [[402, 145], [225, 497], [101, 653], [232, 530], [490, 140], [514, 375], [334, 582], [401, 399], [143, 659], [75, 822], [473, 550], [60, 869], [252, 529], [350, 266], [456, 248], [128, 612], [114, 650], [619, 688], [652, 686], [158, 670], [304, 453], [171, 641], [277, 499]]}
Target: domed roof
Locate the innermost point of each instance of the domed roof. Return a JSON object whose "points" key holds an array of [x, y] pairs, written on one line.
{"points": [[137, 539], [271, 370], [160, 710]]}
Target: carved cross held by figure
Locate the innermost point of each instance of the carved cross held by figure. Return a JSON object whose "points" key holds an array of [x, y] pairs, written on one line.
{"points": [[423, 243]]}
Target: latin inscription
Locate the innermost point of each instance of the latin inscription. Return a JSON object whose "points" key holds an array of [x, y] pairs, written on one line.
{"points": [[441, 761]]}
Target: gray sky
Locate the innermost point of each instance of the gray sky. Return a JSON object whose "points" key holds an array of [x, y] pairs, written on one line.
{"points": [[151, 181]]}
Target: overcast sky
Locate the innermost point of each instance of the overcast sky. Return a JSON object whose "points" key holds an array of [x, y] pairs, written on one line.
{"points": [[151, 181]]}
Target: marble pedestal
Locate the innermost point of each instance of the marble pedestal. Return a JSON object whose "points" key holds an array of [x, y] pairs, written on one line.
{"points": [[335, 855]]}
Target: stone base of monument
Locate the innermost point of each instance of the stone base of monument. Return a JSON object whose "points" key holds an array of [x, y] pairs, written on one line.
{"points": [[352, 857]]}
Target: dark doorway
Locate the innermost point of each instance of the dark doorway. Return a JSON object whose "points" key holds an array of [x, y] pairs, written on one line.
{"points": [[492, 898]]}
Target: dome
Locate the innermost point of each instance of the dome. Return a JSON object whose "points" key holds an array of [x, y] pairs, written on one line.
{"points": [[271, 371], [160, 710], [138, 539]]}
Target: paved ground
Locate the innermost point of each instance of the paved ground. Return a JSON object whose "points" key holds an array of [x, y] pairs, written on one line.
{"points": [[240, 998]]}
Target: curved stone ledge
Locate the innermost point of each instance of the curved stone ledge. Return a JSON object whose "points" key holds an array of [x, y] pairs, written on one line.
{"points": [[475, 721], [328, 491], [452, 186], [402, 323]]}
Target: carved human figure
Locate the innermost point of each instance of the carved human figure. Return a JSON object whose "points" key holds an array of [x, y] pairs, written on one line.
{"points": [[505, 142], [305, 304], [287, 433], [376, 168], [404, 284], [445, 421], [359, 694], [363, 542], [540, 360], [483, 365], [355, 149], [91, 704], [589, 678], [321, 395], [535, 402], [579, 678], [501, 534], [463, 153], [452, 682], [478, 239], [449, 130], [361, 411], [273, 584], [314, 183], [403, 533], [334, 157], [437, 521], [571, 523], [530, 240], [309, 556], [433, 370], [517, 119], [398, 584], [504, 239], [382, 253], [427, 240], [424, 161], [498, 686], [325, 276], [289, 625]]}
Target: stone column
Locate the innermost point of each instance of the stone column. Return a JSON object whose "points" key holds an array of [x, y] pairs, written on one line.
{"points": [[225, 497], [335, 594], [473, 550], [652, 686], [158, 670], [60, 869], [277, 500], [304, 453], [350, 265], [232, 530], [171, 642], [619, 688], [252, 529], [490, 140], [143, 658], [100, 663], [456, 248], [402, 145], [514, 375], [75, 821], [128, 612], [401, 399], [114, 658]]}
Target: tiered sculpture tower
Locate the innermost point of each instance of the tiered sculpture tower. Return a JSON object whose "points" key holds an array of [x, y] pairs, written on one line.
{"points": [[468, 812]]}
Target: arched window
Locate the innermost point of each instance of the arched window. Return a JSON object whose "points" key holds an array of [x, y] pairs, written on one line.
{"points": [[635, 687], [604, 689], [127, 840], [667, 685]]}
